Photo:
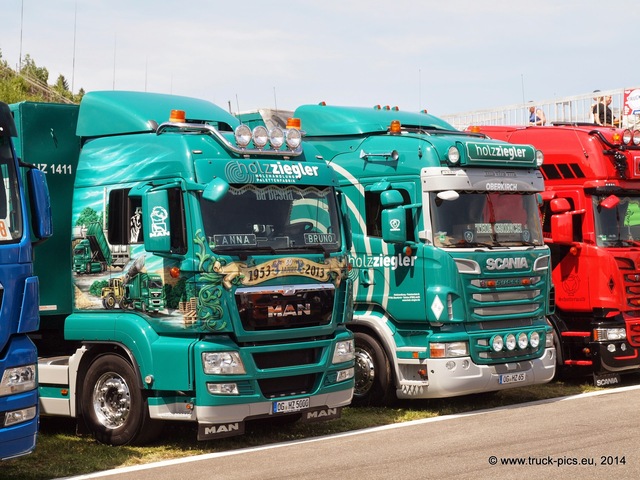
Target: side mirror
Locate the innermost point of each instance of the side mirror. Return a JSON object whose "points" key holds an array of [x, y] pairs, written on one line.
{"points": [[215, 190], [156, 221], [612, 201], [391, 198], [562, 229], [40, 203], [394, 225], [559, 205]]}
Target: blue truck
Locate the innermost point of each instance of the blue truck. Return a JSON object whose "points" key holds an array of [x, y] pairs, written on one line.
{"points": [[23, 189]]}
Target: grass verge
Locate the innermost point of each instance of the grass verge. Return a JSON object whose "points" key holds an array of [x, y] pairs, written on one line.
{"points": [[61, 453]]}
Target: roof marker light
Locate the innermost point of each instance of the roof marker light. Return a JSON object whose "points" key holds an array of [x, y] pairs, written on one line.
{"points": [[177, 116], [293, 122]]}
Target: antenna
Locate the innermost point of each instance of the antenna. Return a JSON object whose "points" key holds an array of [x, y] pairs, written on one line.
{"points": [[115, 38], [237, 104], [73, 62], [21, 18], [275, 99]]}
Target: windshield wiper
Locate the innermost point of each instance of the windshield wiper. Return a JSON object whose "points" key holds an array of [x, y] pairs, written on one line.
{"points": [[314, 247]]}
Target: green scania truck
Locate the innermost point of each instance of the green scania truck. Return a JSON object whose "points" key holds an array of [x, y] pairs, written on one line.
{"points": [[451, 275], [235, 238]]}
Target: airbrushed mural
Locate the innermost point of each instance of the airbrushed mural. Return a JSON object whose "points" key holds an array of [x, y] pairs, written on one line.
{"points": [[126, 278]]}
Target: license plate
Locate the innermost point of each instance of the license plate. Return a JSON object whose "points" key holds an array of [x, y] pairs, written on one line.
{"points": [[290, 406], [512, 378]]}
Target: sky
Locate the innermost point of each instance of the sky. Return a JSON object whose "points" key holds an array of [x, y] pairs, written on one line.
{"points": [[446, 56]]}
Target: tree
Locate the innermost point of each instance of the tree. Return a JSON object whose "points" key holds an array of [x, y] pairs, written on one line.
{"points": [[87, 217], [31, 70]]}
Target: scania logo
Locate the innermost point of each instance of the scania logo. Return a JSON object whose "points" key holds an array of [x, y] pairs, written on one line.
{"points": [[506, 263]]}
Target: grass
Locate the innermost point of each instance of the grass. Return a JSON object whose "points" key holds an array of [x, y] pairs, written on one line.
{"points": [[62, 453]]}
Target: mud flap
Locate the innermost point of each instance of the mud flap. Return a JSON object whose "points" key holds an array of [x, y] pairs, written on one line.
{"points": [[606, 379], [321, 414], [209, 431]]}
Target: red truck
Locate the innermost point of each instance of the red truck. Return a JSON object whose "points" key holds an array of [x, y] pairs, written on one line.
{"points": [[591, 221]]}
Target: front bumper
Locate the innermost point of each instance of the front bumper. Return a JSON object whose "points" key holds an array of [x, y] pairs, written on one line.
{"points": [[449, 377]]}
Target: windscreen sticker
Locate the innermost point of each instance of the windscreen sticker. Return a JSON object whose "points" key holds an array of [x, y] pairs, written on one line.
{"points": [[4, 231]]}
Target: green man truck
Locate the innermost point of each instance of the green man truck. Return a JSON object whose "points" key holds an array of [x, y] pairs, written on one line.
{"points": [[240, 232], [451, 274]]}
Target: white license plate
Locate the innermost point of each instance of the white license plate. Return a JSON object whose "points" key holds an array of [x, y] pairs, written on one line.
{"points": [[289, 406], [512, 378]]}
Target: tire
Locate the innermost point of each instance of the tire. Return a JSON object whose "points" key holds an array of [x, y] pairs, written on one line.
{"points": [[109, 301], [373, 378], [113, 406]]}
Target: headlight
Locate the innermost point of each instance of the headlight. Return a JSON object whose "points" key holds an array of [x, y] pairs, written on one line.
{"points": [[626, 137], [293, 137], [534, 339], [636, 137], [539, 158], [19, 416], [510, 341], [276, 137], [223, 388], [548, 340], [243, 135], [497, 343], [260, 136], [448, 350], [18, 379], [523, 341], [222, 363], [604, 334], [344, 352], [453, 154]]}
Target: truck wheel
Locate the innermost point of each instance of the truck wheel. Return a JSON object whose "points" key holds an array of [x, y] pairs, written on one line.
{"points": [[114, 409], [109, 301], [373, 380]]}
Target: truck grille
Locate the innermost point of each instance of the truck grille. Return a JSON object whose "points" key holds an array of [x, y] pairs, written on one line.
{"points": [[290, 358], [285, 307], [506, 296], [285, 386]]}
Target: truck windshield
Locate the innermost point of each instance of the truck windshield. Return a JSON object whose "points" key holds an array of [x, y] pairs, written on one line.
{"points": [[273, 217], [10, 207], [619, 225], [488, 219]]}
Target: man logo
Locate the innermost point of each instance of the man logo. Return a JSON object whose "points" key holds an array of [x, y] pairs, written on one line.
{"points": [[321, 414], [220, 430]]}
